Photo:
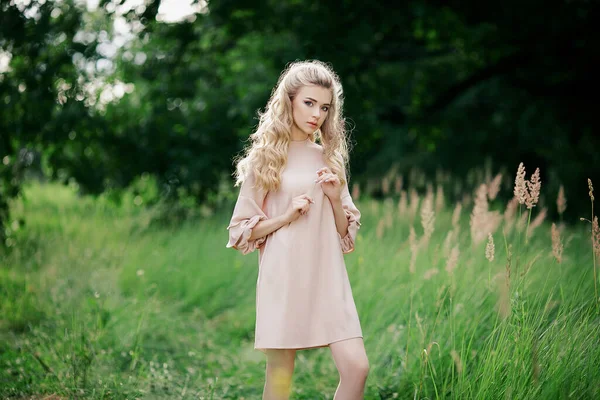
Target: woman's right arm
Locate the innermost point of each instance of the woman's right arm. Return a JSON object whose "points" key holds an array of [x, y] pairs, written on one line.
{"points": [[249, 225], [298, 206], [266, 226]]}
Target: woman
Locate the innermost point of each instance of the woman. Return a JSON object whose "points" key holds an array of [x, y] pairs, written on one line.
{"points": [[295, 207]]}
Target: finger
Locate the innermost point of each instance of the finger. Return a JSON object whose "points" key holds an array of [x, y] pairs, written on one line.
{"points": [[334, 179], [321, 178], [327, 178], [310, 199]]}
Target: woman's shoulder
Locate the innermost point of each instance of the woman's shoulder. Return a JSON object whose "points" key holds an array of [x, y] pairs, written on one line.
{"points": [[316, 146]]}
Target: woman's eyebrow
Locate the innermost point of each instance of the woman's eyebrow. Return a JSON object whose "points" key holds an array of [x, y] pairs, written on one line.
{"points": [[310, 98]]}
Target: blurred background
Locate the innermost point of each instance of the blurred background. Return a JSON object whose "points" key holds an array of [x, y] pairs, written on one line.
{"points": [[101, 93], [119, 121]]}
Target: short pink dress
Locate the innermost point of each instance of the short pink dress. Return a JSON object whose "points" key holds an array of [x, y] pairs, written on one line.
{"points": [[303, 295]]}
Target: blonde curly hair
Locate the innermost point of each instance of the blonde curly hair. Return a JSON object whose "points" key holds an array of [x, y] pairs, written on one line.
{"points": [[266, 154]]}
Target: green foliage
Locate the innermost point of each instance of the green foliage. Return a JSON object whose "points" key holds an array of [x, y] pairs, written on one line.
{"points": [[426, 84], [105, 307]]}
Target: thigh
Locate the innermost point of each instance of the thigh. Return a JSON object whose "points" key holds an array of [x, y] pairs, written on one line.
{"points": [[349, 355], [281, 358]]}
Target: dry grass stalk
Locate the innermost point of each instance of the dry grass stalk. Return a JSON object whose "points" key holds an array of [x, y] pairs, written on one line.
{"points": [[371, 185], [522, 222], [503, 305], [482, 220], [561, 200], [596, 236], [398, 183], [414, 248], [355, 191], [456, 216], [429, 192], [448, 243], [557, 246], [530, 264], [388, 212], [440, 202], [511, 209], [479, 213], [537, 221], [414, 202], [389, 218], [439, 176], [466, 199], [427, 219], [452, 261], [595, 240], [510, 213], [402, 203], [457, 361], [489, 248], [520, 190], [385, 185], [430, 273], [457, 188], [534, 186], [494, 187], [374, 207]]}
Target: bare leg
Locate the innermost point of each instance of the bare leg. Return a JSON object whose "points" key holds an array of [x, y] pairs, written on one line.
{"points": [[280, 367], [353, 365]]}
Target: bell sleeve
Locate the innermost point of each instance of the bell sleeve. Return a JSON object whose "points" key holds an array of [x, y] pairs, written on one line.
{"points": [[246, 214], [353, 216]]}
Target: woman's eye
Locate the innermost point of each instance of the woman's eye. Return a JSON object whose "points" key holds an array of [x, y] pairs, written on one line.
{"points": [[325, 109], [308, 103]]}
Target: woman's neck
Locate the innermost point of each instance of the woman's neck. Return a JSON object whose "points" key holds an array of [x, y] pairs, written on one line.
{"points": [[298, 135]]}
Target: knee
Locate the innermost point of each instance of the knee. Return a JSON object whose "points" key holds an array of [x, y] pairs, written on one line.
{"points": [[363, 369], [357, 370]]}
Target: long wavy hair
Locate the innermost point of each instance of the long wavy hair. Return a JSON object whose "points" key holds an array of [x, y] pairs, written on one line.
{"points": [[266, 153]]}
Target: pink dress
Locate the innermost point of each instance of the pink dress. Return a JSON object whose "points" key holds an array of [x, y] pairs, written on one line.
{"points": [[303, 295]]}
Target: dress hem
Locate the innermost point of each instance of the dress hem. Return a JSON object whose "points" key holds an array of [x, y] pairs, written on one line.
{"points": [[317, 346]]}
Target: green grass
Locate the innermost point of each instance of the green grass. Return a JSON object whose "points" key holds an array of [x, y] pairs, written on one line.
{"points": [[96, 302]]}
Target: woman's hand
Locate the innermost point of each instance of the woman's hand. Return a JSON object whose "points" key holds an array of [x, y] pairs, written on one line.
{"points": [[299, 206], [330, 183]]}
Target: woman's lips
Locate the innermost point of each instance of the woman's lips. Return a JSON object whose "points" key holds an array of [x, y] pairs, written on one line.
{"points": [[312, 124]]}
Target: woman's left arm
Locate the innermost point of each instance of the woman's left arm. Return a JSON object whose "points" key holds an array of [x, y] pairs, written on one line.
{"points": [[347, 216], [341, 219]]}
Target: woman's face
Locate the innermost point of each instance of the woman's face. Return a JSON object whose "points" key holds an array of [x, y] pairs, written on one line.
{"points": [[310, 108]]}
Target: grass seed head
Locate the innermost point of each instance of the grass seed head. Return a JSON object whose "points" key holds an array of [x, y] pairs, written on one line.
{"points": [[561, 200], [489, 248], [534, 186], [456, 215], [402, 203], [494, 187], [452, 261], [355, 191], [557, 246], [427, 219], [520, 190]]}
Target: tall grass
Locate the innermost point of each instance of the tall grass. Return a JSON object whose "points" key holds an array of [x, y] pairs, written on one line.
{"points": [[96, 302]]}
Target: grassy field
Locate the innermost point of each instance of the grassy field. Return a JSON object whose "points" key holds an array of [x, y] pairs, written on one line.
{"points": [[97, 303]]}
